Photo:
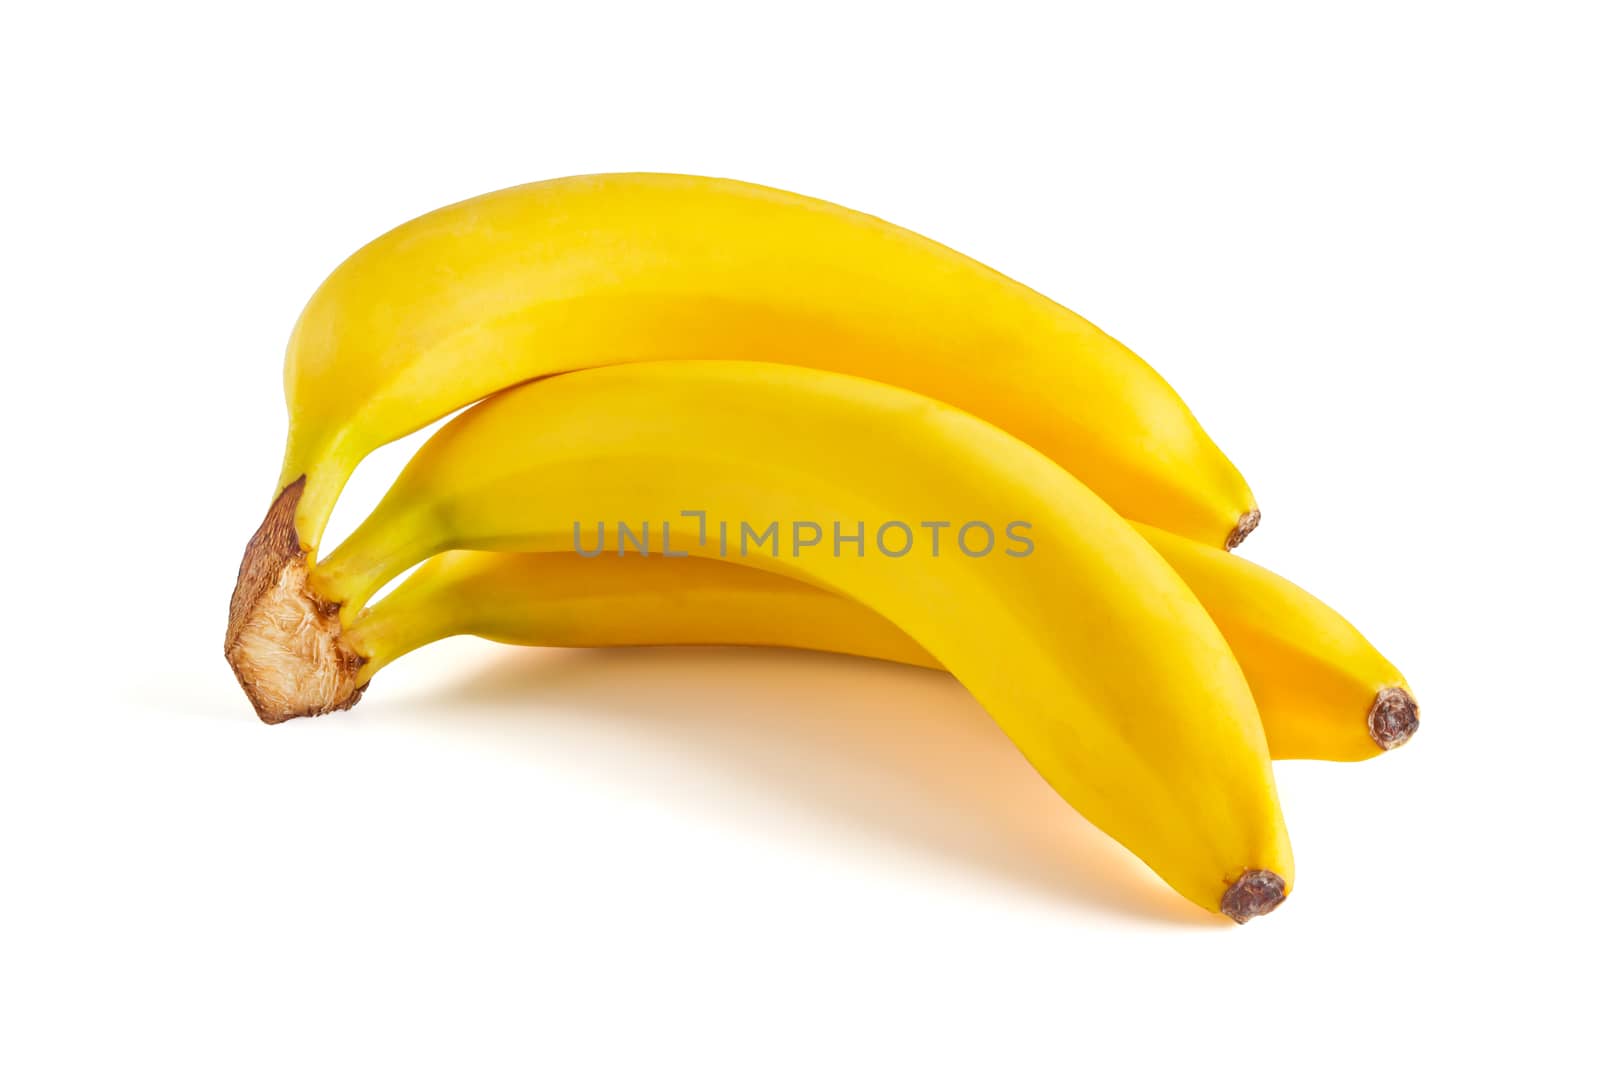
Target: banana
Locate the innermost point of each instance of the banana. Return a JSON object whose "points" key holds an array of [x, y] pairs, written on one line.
{"points": [[1081, 642], [597, 270], [1323, 692], [562, 599]]}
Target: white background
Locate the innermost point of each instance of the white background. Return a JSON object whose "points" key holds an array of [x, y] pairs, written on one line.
{"points": [[1360, 239]]}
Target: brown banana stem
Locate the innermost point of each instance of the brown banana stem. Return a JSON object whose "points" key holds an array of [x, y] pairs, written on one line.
{"points": [[284, 644]]}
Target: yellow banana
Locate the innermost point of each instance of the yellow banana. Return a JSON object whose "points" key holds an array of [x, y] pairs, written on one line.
{"points": [[562, 599], [602, 269], [1085, 646], [1323, 692]]}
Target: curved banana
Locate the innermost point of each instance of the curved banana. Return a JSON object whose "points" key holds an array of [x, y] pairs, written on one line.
{"points": [[1086, 648], [562, 599], [1323, 692], [603, 269]]}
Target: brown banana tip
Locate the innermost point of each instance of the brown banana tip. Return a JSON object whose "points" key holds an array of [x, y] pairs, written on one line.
{"points": [[1255, 894], [1392, 720], [284, 643], [1241, 530]]}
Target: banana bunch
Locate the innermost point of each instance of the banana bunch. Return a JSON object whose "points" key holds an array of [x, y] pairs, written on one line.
{"points": [[703, 411]]}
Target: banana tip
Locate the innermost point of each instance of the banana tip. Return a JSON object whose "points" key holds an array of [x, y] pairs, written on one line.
{"points": [[1255, 894], [1241, 530], [1392, 720]]}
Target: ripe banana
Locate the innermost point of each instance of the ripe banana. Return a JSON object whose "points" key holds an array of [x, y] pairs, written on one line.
{"points": [[597, 270], [1323, 692], [1088, 650], [562, 599]]}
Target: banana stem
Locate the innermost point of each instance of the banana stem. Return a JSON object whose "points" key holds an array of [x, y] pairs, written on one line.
{"points": [[284, 642], [286, 639]]}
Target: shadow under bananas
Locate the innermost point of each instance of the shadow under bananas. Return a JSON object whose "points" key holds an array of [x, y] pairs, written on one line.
{"points": [[859, 753]]}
